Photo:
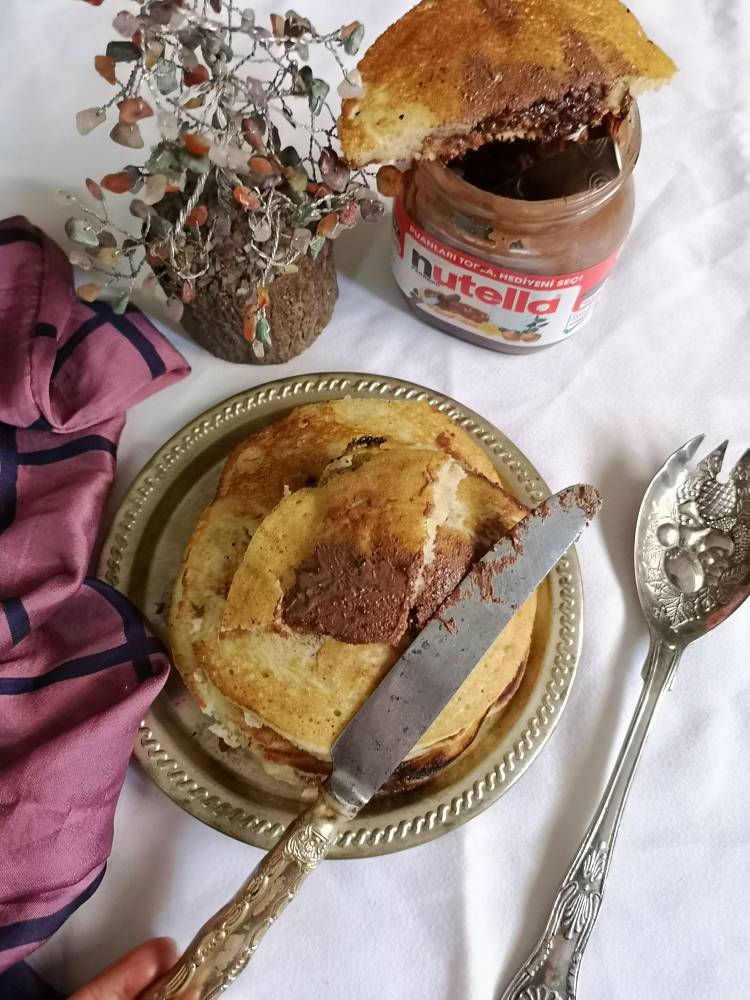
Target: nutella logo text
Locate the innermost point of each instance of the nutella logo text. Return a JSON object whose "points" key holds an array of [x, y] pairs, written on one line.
{"points": [[509, 298]]}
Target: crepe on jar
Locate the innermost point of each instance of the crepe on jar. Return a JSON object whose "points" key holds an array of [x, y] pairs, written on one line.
{"points": [[450, 76], [334, 535]]}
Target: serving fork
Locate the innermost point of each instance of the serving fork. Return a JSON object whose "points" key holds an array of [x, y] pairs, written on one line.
{"points": [[692, 570]]}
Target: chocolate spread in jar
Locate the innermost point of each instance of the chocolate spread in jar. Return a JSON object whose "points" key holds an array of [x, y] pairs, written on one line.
{"points": [[494, 249]]}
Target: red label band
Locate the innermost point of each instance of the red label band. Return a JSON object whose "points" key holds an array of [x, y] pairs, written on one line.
{"points": [[485, 299]]}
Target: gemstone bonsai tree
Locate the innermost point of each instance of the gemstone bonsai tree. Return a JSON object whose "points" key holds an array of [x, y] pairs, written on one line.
{"points": [[243, 192]]}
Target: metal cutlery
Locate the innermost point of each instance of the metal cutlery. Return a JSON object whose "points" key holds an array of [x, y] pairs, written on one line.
{"points": [[692, 568]]}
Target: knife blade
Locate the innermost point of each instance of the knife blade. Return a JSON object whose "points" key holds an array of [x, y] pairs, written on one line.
{"points": [[432, 669], [386, 727]]}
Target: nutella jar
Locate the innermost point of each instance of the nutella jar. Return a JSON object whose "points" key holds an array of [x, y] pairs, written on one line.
{"points": [[511, 273]]}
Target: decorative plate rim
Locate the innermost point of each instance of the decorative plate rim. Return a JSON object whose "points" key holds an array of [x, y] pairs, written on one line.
{"points": [[172, 775]]}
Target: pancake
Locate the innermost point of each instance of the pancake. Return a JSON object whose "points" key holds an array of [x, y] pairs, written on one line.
{"points": [[283, 689], [450, 76]]}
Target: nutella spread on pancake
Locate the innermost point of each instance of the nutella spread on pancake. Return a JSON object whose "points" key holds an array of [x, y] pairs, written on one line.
{"points": [[477, 256], [350, 597]]}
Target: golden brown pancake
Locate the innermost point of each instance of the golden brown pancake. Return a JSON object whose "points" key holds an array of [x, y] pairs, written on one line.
{"points": [[450, 76], [271, 675]]}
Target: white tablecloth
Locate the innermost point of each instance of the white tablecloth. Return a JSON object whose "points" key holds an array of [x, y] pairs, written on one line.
{"points": [[666, 358]]}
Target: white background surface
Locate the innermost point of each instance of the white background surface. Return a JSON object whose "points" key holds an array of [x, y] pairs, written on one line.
{"points": [[666, 358]]}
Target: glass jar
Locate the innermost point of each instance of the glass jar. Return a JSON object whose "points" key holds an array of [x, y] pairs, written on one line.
{"points": [[506, 273]]}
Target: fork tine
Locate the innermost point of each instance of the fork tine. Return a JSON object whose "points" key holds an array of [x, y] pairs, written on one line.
{"points": [[741, 472], [675, 469], [686, 452], [712, 461]]}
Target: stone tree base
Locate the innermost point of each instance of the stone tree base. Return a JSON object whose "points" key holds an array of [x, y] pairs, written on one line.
{"points": [[300, 306]]}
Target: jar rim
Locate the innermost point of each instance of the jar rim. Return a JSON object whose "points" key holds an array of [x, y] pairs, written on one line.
{"points": [[543, 209]]}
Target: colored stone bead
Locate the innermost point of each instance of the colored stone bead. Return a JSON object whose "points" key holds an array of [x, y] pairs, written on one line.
{"points": [[371, 209], [105, 67], [79, 259], [300, 240], [327, 224], [123, 52], [352, 35], [198, 145], [108, 257], [316, 245], [219, 155], [237, 159], [153, 54], [245, 197], [196, 76], [139, 209], [168, 126], [249, 320], [333, 170], [198, 216], [94, 190], [127, 135], [88, 292], [351, 85], [89, 119], [317, 95], [349, 214], [262, 332], [117, 183], [126, 24], [262, 231], [296, 179], [81, 231], [121, 303], [175, 309], [165, 75], [155, 189], [260, 165], [133, 109], [252, 132]]}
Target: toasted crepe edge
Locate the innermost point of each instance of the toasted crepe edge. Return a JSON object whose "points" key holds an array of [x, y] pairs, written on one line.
{"points": [[303, 769], [363, 147]]}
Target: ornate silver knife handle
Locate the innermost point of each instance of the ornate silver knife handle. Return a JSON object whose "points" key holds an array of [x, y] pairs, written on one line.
{"points": [[225, 944], [551, 971]]}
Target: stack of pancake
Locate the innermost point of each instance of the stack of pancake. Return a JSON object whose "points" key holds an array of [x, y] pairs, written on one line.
{"points": [[334, 536]]}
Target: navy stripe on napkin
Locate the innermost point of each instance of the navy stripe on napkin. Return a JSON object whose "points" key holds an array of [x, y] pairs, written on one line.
{"points": [[40, 928], [18, 235], [82, 666], [8, 475], [45, 330], [47, 456], [18, 621], [103, 316], [136, 636]]}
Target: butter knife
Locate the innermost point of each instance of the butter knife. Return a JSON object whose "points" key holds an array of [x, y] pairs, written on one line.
{"points": [[387, 726]]}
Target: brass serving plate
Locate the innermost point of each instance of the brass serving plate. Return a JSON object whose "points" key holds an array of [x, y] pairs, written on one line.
{"points": [[223, 787]]}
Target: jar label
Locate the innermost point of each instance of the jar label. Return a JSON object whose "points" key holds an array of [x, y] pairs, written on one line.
{"points": [[471, 294]]}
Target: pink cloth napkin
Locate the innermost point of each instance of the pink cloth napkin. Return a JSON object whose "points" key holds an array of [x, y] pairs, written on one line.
{"points": [[78, 667]]}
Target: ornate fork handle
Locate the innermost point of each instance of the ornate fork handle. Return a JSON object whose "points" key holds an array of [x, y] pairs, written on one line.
{"points": [[225, 944], [551, 971]]}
